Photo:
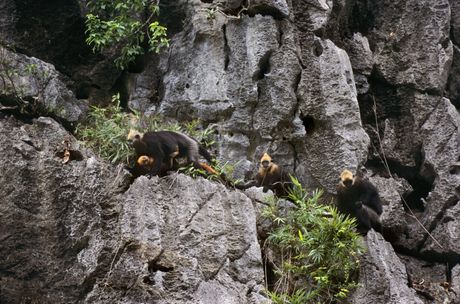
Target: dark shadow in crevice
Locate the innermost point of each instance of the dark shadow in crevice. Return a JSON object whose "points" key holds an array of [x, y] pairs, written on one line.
{"points": [[264, 66], [269, 272], [387, 103], [121, 87], [450, 258], [361, 17], [308, 122], [84, 90], [138, 64], [348, 17], [266, 10], [173, 16], [154, 266], [58, 34], [317, 48], [421, 181], [27, 109], [226, 47]]}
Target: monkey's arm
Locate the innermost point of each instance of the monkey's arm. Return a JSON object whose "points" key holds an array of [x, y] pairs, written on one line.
{"points": [[374, 219], [370, 196], [363, 222], [247, 185]]}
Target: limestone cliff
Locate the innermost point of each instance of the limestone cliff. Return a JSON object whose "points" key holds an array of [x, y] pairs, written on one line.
{"points": [[321, 84]]}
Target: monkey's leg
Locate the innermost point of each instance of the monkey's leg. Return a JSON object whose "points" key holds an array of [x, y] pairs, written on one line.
{"points": [[156, 166]]}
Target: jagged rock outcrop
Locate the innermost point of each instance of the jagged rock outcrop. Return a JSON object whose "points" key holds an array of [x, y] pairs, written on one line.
{"points": [[71, 233], [383, 277], [423, 62], [429, 280], [184, 241], [391, 191], [328, 96], [54, 32], [248, 74], [30, 85]]}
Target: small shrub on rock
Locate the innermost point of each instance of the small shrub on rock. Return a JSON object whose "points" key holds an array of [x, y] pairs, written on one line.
{"points": [[314, 250]]}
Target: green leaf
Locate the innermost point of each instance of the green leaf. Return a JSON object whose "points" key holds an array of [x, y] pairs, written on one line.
{"points": [[115, 24]]}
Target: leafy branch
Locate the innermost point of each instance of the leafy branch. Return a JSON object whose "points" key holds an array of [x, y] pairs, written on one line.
{"points": [[111, 23], [316, 249]]}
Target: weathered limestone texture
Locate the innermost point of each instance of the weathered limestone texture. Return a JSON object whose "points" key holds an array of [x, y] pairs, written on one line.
{"points": [[321, 85], [70, 233], [383, 277], [36, 85]]}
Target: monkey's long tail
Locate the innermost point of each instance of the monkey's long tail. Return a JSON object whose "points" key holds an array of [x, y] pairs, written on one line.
{"points": [[203, 152], [208, 168]]}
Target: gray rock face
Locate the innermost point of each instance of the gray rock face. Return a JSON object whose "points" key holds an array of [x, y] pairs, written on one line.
{"points": [[327, 93], [455, 21], [198, 247], [412, 45], [194, 93], [429, 280], [393, 216], [442, 143], [361, 56], [456, 280], [299, 79], [174, 240], [51, 212], [36, 85], [454, 80], [383, 276]]}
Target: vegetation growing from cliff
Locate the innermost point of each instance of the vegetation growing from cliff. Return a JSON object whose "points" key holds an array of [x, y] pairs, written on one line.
{"points": [[126, 24], [316, 250], [106, 129]]}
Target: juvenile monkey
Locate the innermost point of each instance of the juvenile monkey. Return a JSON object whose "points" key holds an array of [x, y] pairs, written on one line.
{"points": [[271, 177], [144, 165]]}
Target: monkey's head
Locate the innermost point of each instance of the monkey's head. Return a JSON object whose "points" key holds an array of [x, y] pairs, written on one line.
{"points": [[266, 161], [145, 160], [134, 136], [347, 179]]}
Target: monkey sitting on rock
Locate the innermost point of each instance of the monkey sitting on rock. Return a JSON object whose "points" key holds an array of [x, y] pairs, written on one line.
{"points": [[270, 176], [359, 198]]}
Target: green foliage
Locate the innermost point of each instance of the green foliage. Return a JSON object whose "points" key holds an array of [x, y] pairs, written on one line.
{"points": [[318, 249], [106, 130], [211, 13], [190, 170], [224, 171], [226, 168], [117, 22], [205, 137]]}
